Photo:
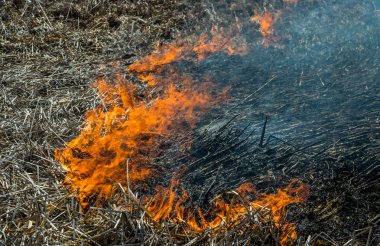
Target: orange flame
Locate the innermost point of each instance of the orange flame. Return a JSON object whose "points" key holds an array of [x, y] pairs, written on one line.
{"points": [[290, 1], [123, 127], [218, 42], [149, 68], [131, 120], [166, 205], [266, 22]]}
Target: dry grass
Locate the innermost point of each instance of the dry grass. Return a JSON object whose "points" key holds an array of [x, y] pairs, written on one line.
{"points": [[50, 52]]}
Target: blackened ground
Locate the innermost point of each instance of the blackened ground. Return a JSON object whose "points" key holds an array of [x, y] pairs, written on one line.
{"points": [[321, 94], [322, 99]]}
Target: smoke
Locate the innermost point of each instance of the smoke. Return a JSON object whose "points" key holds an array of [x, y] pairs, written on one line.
{"points": [[318, 83]]}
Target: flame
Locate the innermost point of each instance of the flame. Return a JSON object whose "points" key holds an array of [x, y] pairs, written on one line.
{"points": [[290, 1], [123, 133], [266, 21], [149, 68], [131, 120], [218, 42], [124, 127], [167, 205]]}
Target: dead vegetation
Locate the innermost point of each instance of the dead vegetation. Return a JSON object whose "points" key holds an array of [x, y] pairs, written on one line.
{"points": [[50, 52]]}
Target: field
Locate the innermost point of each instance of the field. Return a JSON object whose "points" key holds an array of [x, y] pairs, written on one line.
{"points": [[307, 112]]}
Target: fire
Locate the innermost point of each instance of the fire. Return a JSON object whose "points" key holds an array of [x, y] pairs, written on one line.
{"points": [[131, 120], [167, 205], [122, 135], [231, 44], [291, 1], [266, 22], [149, 68], [125, 127]]}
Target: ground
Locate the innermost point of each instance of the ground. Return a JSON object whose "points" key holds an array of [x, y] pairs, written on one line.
{"points": [[51, 52]]}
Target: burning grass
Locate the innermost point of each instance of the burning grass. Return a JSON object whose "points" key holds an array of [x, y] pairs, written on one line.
{"points": [[135, 117], [120, 136], [126, 129], [130, 121]]}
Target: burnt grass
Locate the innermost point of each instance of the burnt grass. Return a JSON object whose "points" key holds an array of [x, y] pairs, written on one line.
{"points": [[51, 51]]}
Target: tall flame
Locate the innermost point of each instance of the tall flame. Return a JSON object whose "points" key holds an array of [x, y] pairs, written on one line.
{"points": [[130, 121], [124, 127], [122, 134]]}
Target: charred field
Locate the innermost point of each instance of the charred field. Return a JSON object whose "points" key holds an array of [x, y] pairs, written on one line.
{"points": [[189, 122]]}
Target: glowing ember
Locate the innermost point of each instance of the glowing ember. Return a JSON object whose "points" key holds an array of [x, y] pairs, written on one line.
{"points": [[266, 22]]}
